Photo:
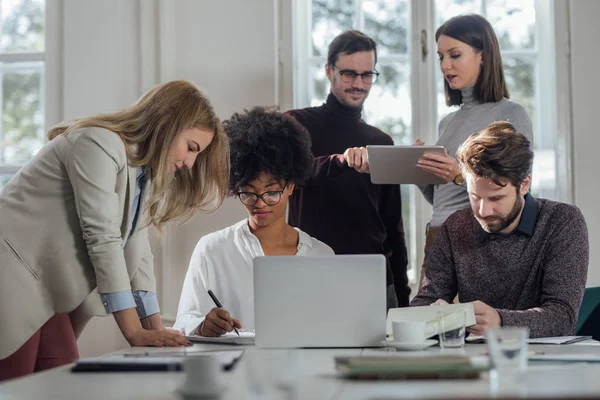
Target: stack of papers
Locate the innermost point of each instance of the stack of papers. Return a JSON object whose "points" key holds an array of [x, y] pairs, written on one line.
{"points": [[245, 337], [386, 367]]}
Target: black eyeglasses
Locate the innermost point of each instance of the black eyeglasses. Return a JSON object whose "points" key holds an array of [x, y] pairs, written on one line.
{"points": [[270, 198], [349, 75]]}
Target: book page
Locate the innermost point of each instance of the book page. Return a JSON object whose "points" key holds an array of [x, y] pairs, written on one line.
{"points": [[430, 314]]}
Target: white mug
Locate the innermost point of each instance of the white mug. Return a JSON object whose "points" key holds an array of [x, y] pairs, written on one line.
{"points": [[204, 375], [408, 331]]}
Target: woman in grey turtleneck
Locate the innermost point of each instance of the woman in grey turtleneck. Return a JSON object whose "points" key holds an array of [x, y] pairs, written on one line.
{"points": [[474, 80]]}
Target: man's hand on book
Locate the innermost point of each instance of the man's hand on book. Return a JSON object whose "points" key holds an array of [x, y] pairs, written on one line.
{"points": [[486, 317]]}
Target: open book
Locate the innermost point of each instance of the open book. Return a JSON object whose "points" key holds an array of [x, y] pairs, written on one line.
{"points": [[452, 317], [245, 337]]}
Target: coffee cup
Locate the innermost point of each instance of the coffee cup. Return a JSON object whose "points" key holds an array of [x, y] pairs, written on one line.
{"points": [[408, 331]]}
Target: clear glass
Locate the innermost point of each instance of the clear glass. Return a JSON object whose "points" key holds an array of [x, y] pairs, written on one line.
{"points": [[508, 350], [329, 19], [22, 25], [22, 133], [388, 23], [451, 328], [271, 374]]}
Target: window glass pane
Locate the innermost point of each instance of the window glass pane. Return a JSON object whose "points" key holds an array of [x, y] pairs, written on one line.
{"points": [[513, 22], [388, 23], [4, 178], [446, 9], [22, 25], [442, 108], [519, 73], [22, 112], [388, 106], [319, 85], [330, 18]]}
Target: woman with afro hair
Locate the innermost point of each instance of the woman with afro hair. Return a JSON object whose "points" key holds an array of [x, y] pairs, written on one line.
{"points": [[270, 154]]}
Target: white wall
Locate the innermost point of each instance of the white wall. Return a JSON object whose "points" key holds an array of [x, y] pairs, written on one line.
{"points": [[585, 60], [107, 53]]}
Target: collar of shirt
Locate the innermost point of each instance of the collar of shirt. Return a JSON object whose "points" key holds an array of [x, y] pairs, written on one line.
{"points": [[303, 238], [526, 224]]}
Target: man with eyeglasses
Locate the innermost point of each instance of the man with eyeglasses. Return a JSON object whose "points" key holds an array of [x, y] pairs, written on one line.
{"points": [[339, 205]]}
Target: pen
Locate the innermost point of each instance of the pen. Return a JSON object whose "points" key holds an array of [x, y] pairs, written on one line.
{"points": [[218, 304]]}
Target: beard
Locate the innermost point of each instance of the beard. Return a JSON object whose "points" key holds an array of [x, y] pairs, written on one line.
{"points": [[497, 223]]}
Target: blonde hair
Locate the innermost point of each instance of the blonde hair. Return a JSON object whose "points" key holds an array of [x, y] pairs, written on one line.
{"points": [[148, 128]]}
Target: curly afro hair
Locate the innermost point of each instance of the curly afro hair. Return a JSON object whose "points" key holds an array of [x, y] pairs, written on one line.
{"points": [[266, 140]]}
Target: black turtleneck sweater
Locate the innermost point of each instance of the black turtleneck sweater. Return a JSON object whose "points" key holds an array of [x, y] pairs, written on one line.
{"points": [[341, 207]]}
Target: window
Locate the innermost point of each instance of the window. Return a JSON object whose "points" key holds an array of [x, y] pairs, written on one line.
{"points": [[22, 67], [408, 100]]}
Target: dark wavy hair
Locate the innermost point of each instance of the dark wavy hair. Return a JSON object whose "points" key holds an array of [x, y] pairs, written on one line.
{"points": [[265, 140], [495, 152], [477, 32]]}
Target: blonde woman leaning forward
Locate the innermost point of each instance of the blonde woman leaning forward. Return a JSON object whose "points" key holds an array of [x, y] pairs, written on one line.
{"points": [[73, 223]]}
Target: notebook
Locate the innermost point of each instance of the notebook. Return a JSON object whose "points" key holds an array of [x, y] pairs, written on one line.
{"points": [[543, 340], [150, 361], [245, 338], [559, 340], [430, 314], [431, 367]]}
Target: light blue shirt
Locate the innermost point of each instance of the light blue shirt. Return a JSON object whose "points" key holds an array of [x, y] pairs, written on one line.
{"points": [[145, 303]]}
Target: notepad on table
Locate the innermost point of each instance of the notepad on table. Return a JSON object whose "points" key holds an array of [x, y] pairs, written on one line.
{"points": [[386, 367], [558, 340], [245, 337], [150, 361], [452, 318]]}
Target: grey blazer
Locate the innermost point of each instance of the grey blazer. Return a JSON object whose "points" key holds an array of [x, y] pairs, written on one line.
{"points": [[63, 218]]}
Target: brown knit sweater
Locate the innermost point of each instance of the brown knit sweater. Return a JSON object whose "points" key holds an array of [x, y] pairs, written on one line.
{"points": [[534, 276]]}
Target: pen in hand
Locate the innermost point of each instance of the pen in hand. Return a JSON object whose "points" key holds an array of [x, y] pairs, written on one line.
{"points": [[218, 304]]}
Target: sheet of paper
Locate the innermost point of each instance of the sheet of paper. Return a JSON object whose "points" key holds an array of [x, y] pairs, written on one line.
{"points": [[245, 337], [558, 340], [429, 314]]}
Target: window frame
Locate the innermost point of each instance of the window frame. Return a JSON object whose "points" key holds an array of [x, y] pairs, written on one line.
{"points": [[48, 80], [551, 48]]}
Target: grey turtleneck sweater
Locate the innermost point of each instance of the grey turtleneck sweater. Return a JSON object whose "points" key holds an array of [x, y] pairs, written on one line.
{"points": [[454, 129]]}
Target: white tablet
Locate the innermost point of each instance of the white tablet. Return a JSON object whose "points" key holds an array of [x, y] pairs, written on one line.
{"points": [[398, 165]]}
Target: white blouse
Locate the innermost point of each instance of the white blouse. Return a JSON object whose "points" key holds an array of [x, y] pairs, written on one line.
{"points": [[222, 262]]}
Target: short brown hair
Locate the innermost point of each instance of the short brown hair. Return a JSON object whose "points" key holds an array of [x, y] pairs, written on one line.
{"points": [[495, 152], [350, 42], [477, 32]]}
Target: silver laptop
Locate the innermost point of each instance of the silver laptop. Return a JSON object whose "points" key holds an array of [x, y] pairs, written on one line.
{"points": [[328, 301], [398, 165]]}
